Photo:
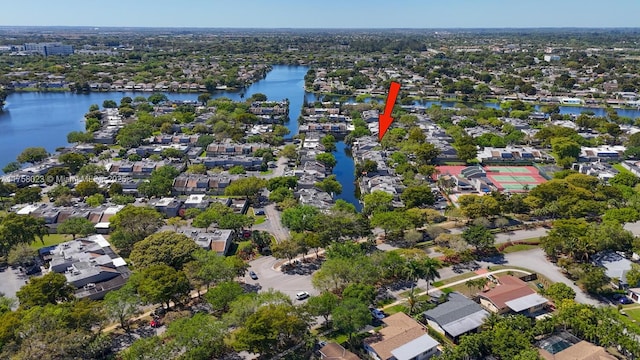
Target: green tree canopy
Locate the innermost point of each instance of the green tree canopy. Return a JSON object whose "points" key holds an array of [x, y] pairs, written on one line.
{"points": [[166, 247]]}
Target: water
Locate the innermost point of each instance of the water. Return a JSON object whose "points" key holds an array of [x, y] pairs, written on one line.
{"points": [[45, 119], [345, 173]]}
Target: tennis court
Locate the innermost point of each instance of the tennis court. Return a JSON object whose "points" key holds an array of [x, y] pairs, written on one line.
{"points": [[514, 178]]}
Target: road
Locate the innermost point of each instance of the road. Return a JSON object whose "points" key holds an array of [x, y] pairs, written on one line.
{"points": [[272, 223], [536, 260]]}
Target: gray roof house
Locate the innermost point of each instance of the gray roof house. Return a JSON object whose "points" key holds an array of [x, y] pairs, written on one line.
{"points": [[457, 316], [90, 265]]}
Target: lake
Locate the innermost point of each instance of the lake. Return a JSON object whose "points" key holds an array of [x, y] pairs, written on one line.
{"points": [[45, 118]]}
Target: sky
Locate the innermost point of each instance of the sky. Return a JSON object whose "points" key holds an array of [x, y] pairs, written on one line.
{"points": [[322, 13]]}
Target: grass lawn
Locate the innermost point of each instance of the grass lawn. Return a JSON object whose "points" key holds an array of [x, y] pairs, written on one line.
{"points": [[395, 309], [634, 314], [259, 218], [519, 247], [51, 239], [620, 168], [267, 172]]}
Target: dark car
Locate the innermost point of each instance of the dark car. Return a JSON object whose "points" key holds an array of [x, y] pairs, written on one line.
{"points": [[625, 300], [253, 275]]}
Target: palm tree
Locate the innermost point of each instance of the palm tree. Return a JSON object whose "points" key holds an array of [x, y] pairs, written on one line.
{"points": [[430, 272]]}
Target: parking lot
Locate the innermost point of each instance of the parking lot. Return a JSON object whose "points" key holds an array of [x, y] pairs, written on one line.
{"points": [[289, 282], [11, 280]]}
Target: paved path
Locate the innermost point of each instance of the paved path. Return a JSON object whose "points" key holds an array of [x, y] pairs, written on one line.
{"points": [[273, 223]]}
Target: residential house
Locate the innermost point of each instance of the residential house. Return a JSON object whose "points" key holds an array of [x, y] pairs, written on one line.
{"points": [[90, 265], [457, 316], [616, 267], [169, 207], [565, 346], [512, 295], [218, 240], [334, 351], [402, 338]]}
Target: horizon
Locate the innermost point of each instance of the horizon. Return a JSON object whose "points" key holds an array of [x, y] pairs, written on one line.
{"points": [[331, 14]]}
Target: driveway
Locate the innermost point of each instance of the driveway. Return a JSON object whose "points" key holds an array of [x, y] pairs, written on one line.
{"points": [[536, 261], [268, 278], [272, 223]]}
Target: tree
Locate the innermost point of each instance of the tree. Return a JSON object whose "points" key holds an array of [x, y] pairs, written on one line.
{"points": [[166, 247], [391, 221], [32, 155], [76, 226], [48, 289], [364, 293], [559, 291], [416, 196], [350, 316], [22, 255], [474, 206], [91, 170], [132, 224], [223, 294], [289, 151], [209, 268], [157, 98], [322, 305], [300, 218], [122, 304], [478, 236], [286, 249], [565, 150], [27, 195], [633, 275], [287, 182], [426, 153], [76, 137], [326, 159], [329, 143], [201, 336], [20, 229], [160, 284], [87, 188], [271, 329], [11, 167], [160, 183], [150, 348], [330, 185], [248, 187], [73, 161], [377, 201], [593, 278]]}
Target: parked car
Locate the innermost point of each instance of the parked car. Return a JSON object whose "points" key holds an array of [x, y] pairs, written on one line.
{"points": [[378, 314], [302, 295], [159, 311], [625, 300], [253, 275]]}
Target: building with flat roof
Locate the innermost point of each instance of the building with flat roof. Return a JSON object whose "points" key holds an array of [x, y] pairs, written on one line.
{"points": [[47, 49]]}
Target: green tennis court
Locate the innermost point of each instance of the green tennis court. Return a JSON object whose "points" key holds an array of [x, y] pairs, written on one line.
{"points": [[518, 186], [515, 178]]}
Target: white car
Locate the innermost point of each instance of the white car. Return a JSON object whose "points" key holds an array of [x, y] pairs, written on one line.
{"points": [[302, 295]]}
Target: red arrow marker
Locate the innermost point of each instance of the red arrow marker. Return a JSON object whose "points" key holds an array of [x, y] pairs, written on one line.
{"points": [[385, 119]]}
